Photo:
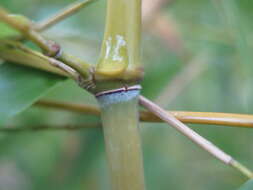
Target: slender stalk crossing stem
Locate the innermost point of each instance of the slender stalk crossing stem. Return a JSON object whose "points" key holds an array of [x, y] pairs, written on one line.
{"points": [[208, 118], [195, 137], [123, 144]]}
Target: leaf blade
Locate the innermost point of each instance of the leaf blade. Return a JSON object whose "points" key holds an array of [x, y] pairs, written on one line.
{"points": [[20, 87]]}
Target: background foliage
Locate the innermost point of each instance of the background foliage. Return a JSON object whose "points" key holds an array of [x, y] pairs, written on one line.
{"points": [[219, 31]]}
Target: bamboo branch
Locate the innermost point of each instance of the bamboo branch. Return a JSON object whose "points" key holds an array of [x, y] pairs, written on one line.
{"points": [[120, 51], [208, 118], [55, 63], [25, 27], [194, 137], [69, 11], [16, 52], [49, 48]]}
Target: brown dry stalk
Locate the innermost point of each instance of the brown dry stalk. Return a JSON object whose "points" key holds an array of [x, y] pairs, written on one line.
{"points": [[209, 118]]}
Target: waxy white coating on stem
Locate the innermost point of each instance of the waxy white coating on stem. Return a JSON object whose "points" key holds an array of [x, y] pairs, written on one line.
{"points": [[115, 98]]}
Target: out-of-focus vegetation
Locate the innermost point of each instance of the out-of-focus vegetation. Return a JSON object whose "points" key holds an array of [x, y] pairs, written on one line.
{"points": [[217, 34]]}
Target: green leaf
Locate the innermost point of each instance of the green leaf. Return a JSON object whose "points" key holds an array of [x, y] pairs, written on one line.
{"points": [[247, 186], [20, 87]]}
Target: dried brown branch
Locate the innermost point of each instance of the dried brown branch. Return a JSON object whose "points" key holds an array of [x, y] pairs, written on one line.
{"points": [[209, 118]]}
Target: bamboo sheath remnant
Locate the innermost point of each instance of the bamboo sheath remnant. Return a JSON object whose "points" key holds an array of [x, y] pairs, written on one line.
{"points": [[122, 139]]}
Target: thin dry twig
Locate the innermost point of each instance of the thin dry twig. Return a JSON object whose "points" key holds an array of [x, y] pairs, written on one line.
{"points": [[194, 137]]}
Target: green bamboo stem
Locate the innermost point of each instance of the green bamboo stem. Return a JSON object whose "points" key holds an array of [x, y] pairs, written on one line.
{"points": [[118, 68], [121, 45], [120, 119]]}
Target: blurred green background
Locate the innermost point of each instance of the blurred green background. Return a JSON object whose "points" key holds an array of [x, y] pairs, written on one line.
{"points": [[217, 34]]}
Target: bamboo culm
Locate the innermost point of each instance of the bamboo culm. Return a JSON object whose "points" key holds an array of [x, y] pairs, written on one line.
{"points": [[120, 117]]}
